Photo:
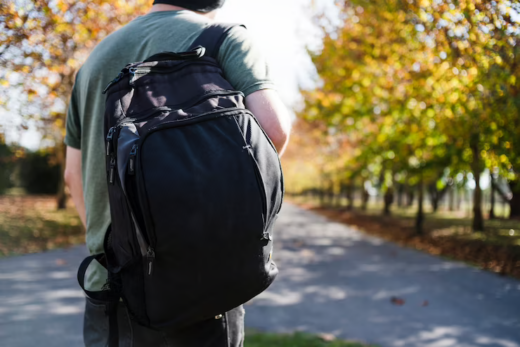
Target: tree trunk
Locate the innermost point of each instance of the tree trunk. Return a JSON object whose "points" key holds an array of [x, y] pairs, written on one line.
{"points": [[388, 200], [350, 197], [332, 195], [467, 202], [61, 196], [337, 197], [478, 219], [400, 191], [322, 196], [410, 196], [365, 199], [419, 220], [514, 202], [492, 197], [459, 199], [452, 199], [434, 196]]}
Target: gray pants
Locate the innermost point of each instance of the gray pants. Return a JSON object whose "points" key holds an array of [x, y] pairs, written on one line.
{"points": [[227, 331]]}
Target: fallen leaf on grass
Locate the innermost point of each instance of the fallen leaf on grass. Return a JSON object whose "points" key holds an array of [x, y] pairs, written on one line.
{"points": [[327, 337]]}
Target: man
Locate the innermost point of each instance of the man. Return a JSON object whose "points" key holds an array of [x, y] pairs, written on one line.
{"points": [[170, 25]]}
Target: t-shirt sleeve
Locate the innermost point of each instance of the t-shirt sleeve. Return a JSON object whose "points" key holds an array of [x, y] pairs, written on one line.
{"points": [[73, 124], [243, 62]]}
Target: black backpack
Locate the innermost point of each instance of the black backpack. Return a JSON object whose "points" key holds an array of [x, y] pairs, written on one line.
{"points": [[195, 186]]}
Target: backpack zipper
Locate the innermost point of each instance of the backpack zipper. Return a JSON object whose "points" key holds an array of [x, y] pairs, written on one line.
{"points": [[150, 255], [110, 152], [141, 195], [135, 69], [141, 189], [158, 69], [111, 148], [144, 70], [131, 160], [259, 180], [134, 169], [147, 249], [247, 140]]}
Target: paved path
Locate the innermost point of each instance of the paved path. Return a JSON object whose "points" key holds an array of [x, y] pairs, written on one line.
{"points": [[333, 280]]}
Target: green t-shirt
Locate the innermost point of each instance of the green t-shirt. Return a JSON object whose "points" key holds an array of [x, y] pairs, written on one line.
{"points": [[242, 62]]}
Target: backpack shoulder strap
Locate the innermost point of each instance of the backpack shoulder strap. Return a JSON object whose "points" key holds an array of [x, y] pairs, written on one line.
{"points": [[212, 37]]}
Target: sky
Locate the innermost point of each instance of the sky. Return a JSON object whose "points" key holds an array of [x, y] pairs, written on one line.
{"points": [[284, 29]]}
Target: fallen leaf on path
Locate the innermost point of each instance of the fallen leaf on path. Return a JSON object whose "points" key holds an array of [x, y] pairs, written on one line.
{"points": [[307, 253], [425, 303], [61, 262], [298, 243], [397, 301]]}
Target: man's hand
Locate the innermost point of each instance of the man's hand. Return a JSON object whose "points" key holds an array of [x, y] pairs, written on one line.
{"points": [[73, 179], [272, 115]]}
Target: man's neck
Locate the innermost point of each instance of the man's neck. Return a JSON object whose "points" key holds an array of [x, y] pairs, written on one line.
{"points": [[166, 7]]}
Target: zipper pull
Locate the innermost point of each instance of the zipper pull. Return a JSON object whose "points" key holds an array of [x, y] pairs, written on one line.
{"points": [[110, 135], [150, 255], [115, 80], [131, 71], [131, 161], [266, 236], [112, 170]]}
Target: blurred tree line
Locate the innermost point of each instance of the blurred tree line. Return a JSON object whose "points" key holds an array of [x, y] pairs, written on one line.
{"points": [[42, 45], [36, 172], [417, 97]]}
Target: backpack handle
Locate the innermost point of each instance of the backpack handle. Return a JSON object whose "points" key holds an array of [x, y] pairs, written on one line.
{"points": [[213, 36], [195, 53]]}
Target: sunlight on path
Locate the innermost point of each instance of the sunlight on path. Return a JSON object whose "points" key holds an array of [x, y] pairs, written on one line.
{"points": [[333, 279], [40, 301]]}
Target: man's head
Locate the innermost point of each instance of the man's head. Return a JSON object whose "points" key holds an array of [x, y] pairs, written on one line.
{"points": [[194, 5]]}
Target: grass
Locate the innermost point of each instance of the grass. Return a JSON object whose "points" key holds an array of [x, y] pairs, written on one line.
{"points": [[296, 340], [500, 231], [30, 224], [446, 233]]}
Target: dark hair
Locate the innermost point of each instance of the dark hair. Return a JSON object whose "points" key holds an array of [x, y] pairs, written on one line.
{"points": [[194, 5]]}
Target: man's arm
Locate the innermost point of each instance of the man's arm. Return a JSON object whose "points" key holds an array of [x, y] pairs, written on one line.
{"points": [[74, 180], [272, 115]]}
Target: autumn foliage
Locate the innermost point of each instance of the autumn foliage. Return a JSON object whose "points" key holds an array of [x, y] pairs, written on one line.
{"points": [[412, 93], [42, 45]]}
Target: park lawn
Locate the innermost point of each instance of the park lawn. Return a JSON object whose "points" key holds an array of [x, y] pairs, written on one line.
{"points": [[447, 234], [30, 224], [295, 340]]}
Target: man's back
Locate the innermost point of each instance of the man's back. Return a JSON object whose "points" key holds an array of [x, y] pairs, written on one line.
{"points": [[171, 25], [243, 66]]}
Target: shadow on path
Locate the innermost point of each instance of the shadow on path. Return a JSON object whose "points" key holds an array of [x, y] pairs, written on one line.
{"points": [[334, 279], [41, 303]]}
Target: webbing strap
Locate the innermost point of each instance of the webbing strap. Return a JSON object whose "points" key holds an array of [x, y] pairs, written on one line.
{"points": [[212, 38], [113, 327], [103, 295], [109, 297]]}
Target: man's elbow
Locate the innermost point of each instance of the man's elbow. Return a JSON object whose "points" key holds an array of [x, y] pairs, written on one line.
{"points": [[280, 139], [69, 177]]}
